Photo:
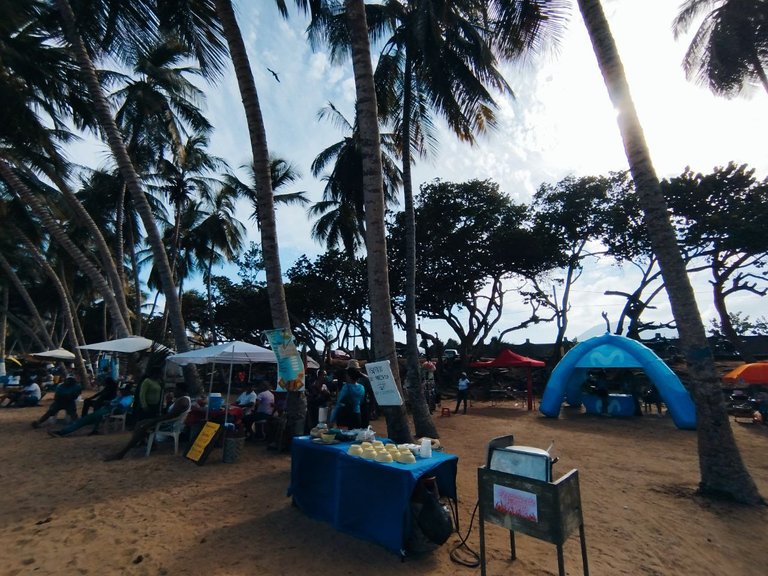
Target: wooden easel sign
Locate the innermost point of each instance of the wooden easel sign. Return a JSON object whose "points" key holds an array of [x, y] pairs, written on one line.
{"points": [[204, 443]]}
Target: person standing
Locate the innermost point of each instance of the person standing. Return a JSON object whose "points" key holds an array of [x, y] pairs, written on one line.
{"points": [[347, 409], [463, 392]]}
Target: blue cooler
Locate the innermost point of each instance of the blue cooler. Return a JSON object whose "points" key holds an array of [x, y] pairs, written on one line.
{"points": [[215, 401]]}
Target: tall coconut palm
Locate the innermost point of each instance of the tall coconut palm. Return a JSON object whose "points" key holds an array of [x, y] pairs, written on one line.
{"points": [[440, 59], [127, 22], [382, 333], [722, 470], [282, 174], [341, 214], [729, 51], [35, 111], [223, 235]]}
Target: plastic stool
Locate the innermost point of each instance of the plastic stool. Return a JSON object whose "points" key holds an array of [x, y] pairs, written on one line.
{"points": [[445, 412]]}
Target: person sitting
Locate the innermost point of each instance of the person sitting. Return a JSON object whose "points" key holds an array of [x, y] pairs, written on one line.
{"points": [[247, 400], [64, 398], [181, 404], [29, 395], [265, 407], [118, 405], [102, 398]]}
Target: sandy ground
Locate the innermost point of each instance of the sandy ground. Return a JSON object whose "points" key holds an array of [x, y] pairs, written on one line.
{"points": [[64, 511]]}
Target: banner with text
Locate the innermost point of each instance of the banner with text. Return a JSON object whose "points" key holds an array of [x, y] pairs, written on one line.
{"points": [[290, 368], [383, 383]]}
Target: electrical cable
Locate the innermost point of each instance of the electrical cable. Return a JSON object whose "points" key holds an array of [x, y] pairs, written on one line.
{"points": [[470, 558]]}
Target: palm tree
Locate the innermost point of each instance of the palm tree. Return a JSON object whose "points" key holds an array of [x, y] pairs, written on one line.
{"points": [[382, 333], [722, 470], [729, 50], [282, 173], [185, 178], [156, 106], [223, 236], [440, 60], [125, 26], [341, 214], [34, 113]]}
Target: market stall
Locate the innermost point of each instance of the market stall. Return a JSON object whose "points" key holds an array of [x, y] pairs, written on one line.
{"points": [[367, 499]]}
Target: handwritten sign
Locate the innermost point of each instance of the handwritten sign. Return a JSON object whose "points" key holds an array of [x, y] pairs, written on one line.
{"points": [[203, 444], [383, 384]]}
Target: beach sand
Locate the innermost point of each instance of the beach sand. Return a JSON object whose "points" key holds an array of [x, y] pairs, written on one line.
{"points": [[64, 511]]}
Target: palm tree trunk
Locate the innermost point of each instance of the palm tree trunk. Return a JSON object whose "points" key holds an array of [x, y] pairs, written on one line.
{"points": [[3, 326], [120, 241], [110, 266], [23, 327], [117, 146], [296, 406], [66, 306], [382, 334], [82, 262], [722, 470], [137, 317], [422, 420], [261, 168], [22, 290], [208, 284]]}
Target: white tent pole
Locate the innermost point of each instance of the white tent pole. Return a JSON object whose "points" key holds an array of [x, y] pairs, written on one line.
{"points": [[210, 389], [229, 386]]}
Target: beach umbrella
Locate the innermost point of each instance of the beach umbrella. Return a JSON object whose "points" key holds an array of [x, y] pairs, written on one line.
{"points": [[228, 353], [754, 373], [57, 354]]}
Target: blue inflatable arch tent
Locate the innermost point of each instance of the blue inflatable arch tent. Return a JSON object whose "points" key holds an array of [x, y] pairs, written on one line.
{"points": [[613, 351]]}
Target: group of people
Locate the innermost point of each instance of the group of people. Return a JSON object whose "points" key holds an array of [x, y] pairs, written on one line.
{"points": [[349, 398]]}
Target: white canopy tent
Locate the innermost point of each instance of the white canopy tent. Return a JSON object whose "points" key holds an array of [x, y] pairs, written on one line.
{"points": [[127, 345], [228, 353], [57, 354]]}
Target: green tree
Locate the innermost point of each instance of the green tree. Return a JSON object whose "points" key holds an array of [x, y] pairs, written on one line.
{"points": [[572, 213], [729, 50], [475, 247], [720, 218]]}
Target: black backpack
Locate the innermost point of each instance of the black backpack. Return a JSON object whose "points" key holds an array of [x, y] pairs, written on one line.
{"points": [[433, 519]]}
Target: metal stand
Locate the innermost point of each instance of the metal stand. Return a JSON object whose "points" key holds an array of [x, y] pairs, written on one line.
{"points": [[549, 511]]}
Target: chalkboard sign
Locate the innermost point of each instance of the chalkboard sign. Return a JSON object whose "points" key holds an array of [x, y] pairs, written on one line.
{"points": [[204, 443], [383, 384]]}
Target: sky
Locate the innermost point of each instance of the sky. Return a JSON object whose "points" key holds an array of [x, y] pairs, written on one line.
{"points": [[561, 122]]}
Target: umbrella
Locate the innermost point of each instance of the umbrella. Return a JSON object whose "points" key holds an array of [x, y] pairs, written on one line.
{"points": [[228, 353], [127, 345], [755, 373], [57, 354]]}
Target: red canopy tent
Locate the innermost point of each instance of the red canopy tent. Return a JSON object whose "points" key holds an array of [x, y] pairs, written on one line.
{"points": [[508, 359]]}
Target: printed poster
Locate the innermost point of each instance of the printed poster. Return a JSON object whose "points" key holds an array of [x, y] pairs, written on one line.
{"points": [[290, 368], [383, 383], [515, 502]]}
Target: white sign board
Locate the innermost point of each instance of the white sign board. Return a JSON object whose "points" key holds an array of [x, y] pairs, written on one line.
{"points": [[383, 383]]}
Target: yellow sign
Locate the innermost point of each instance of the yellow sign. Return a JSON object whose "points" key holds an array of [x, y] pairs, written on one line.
{"points": [[202, 444]]}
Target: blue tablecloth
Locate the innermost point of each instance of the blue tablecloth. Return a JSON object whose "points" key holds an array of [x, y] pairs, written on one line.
{"points": [[370, 500]]}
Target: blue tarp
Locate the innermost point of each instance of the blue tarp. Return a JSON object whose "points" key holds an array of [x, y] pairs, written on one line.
{"points": [[613, 351]]}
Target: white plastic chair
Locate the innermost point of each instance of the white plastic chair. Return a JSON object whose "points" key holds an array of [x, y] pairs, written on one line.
{"points": [[165, 429]]}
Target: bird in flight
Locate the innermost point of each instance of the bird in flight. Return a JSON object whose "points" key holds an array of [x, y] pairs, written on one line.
{"points": [[274, 74]]}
